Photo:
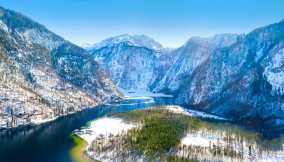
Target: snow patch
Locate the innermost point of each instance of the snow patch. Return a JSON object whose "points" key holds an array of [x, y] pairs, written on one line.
{"points": [[194, 113], [274, 73], [198, 139], [3, 26], [103, 127], [42, 38]]}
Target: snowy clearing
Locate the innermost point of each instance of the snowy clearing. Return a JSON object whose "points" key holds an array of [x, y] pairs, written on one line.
{"points": [[103, 127], [194, 113], [198, 139]]}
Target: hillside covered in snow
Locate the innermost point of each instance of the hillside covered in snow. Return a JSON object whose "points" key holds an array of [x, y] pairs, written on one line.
{"points": [[133, 62], [43, 76]]}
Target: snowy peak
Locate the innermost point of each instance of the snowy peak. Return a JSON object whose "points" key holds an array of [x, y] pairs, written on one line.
{"points": [[134, 40], [132, 61]]}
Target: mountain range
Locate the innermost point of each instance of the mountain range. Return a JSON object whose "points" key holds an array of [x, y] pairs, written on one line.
{"points": [[240, 77], [43, 76]]}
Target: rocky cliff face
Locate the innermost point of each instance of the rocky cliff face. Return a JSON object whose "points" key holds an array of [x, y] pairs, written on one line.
{"points": [[243, 81], [190, 56], [44, 76], [133, 62]]}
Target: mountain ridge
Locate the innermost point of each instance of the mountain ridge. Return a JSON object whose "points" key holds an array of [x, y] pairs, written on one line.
{"points": [[135, 40]]}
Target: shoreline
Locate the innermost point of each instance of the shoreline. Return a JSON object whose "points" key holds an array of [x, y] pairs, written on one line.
{"points": [[42, 122], [191, 140], [101, 128], [53, 119], [134, 94], [77, 153], [105, 126], [47, 121], [90, 132]]}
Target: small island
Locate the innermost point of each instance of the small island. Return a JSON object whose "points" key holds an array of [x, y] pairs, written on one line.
{"points": [[169, 133]]}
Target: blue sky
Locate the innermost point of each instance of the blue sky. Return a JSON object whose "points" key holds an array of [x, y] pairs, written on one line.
{"points": [[170, 22]]}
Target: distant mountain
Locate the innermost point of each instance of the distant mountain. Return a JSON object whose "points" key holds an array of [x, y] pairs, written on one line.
{"points": [[195, 51], [131, 61], [44, 76], [136, 66], [134, 40]]}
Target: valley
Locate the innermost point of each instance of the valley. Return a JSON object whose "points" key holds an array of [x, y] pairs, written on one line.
{"points": [[129, 98], [236, 76]]}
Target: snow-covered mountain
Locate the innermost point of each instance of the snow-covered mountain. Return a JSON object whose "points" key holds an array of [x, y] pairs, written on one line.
{"points": [[244, 81], [44, 76], [195, 51], [138, 63], [134, 40], [130, 60]]}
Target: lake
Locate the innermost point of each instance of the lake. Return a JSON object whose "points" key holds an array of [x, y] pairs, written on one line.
{"points": [[52, 142]]}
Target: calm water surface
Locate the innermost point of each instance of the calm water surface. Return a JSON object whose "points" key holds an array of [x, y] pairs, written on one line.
{"points": [[51, 142]]}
